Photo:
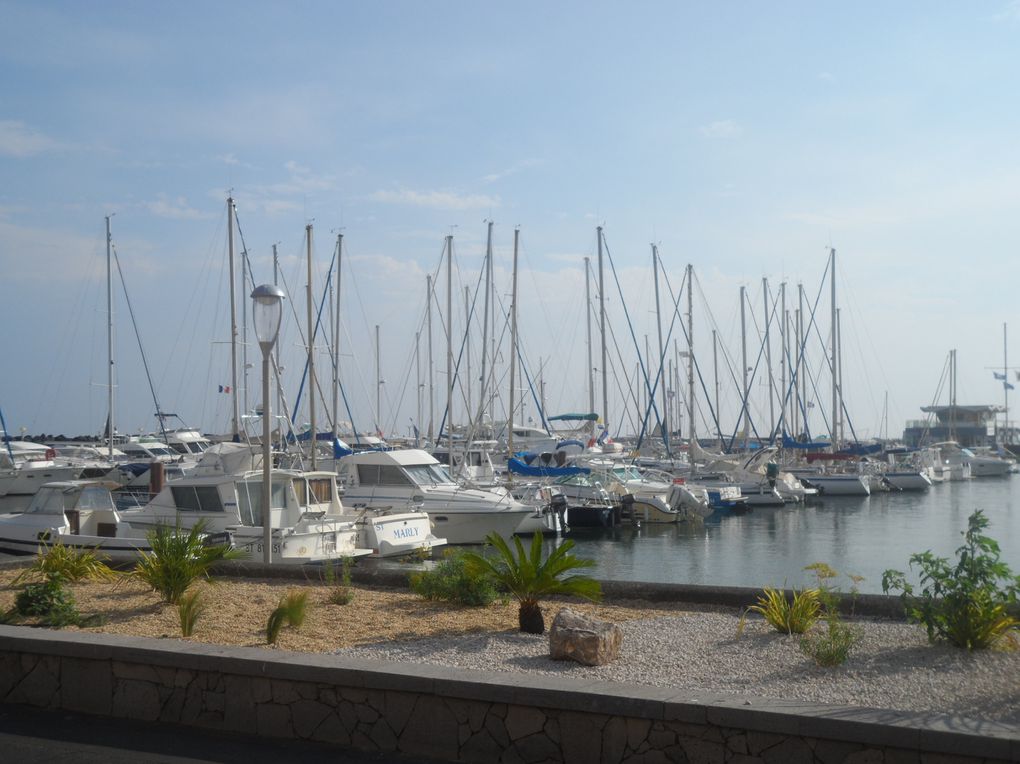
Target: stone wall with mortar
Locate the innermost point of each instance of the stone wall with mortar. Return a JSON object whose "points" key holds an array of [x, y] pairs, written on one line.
{"points": [[458, 715]]}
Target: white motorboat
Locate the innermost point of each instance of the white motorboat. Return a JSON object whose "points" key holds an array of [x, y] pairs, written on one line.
{"points": [[26, 466], [412, 478], [75, 513], [954, 456], [300, 504], [836, 483]]}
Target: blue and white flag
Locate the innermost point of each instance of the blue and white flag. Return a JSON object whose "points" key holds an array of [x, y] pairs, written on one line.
{"points": [[999, 376], [1007, 385]]}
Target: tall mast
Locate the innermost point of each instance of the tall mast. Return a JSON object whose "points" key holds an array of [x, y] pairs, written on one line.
{"points": [[690, 353], [336, 339], [715, 372], [378, 381], [432, 393], [839, 357], [276, 345], [417, 389], [109, 337], [952, 395], [467, 346], [835, 354], [801, 341], [743, 346], [311, 351], [591, 368], [513, 349], [768, 353], [485, 324], [235, 430], [1005, 389], [662, 356], [449, 344], [602, 322], [783, 350]]}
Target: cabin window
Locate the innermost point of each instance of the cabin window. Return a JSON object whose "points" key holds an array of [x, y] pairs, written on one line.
{"points": [[48, 502], [475, 460], [179, 448], [381, 474], [204, 498], [428, 474], [249, 500], [321, 490], [300, 492], [443, 458], [95, 497]]}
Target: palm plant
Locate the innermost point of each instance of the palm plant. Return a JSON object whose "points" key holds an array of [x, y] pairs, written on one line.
{"points": [[70, 563], [178, 558], [527, 577]]}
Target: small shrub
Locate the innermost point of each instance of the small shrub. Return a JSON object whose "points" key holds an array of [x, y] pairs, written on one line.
{"points": [[832, 645], [49, 601], [452, 581], [190, 608], [966, 604], [178, 558], [794, 616], [291, 611], [68, 562], [337, 576]]}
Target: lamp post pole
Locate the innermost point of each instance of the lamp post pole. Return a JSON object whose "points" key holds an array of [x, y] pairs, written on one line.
{"points": [[266, 313]]}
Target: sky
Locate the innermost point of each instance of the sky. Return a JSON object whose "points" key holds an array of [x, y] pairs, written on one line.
{"points": [[744, 138]]}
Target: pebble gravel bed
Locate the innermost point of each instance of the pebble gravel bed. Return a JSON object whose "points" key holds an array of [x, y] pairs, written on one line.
{"points": [[892, 667]]}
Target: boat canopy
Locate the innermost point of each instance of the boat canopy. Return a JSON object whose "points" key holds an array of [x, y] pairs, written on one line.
{"points": [[789, 442], [574, 417], [520, 468]]}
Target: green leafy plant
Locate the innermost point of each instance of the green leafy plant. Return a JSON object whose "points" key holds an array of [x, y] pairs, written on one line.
{"points": [[451, 580], [291, 611], [793, 616], [965, 604], [49, 601], [190, 608], [178, 558], [528, 577], [831, 645], [70, 563], [337, 577]]}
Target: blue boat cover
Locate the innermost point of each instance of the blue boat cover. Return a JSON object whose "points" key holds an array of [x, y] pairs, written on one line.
{"points": [[518, 467]]}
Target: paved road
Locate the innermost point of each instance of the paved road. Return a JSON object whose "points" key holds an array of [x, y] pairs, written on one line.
{"points": [[32, 736]]}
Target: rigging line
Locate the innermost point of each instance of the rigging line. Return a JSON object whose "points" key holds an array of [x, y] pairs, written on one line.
{"points": [[141, 349], [311, 344], [633, 337]]}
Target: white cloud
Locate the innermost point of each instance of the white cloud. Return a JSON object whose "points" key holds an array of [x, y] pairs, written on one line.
{"points": [[19, 140], [1009, 12], [175, 209], [826, 77], [723, 128], [440, 200], [513, 169]]}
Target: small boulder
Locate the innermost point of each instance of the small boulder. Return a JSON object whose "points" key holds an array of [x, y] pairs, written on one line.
{"points": [[585, 640]]}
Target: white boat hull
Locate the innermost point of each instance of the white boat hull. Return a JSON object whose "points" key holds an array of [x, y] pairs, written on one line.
{"points": [[840, 485], [908, 481], [471, 527]]}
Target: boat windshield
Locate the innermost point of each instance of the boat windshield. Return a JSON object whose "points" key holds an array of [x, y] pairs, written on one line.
{"points": [[428, 474], [249, 500], [95, 497], [51, 501]]}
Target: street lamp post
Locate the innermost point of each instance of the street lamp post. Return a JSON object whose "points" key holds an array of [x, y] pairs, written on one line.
{"points": [[267, 309]]}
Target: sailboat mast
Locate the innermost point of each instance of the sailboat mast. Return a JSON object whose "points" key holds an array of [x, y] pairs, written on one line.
{"points": [[801, 370], [1005, 389], [449, 344], [783, 351], [109, 337], [768, 353], [276, 346], [602, 321], [244, 331], [235, 430], [591, 368], [743, 351], [715, 377], [417, 389], [432, 392], [662, 356], [378, 382], [690, 353], [835, 354], [336, 339], [467, 347], [485, 323], [311, 350], [513, 349]]}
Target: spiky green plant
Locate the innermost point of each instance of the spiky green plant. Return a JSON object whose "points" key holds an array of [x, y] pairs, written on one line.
{"points": [[291, 610], [178, 558], [72, 564], [793, 616], [451, 580], [527, 577], [966, 604], [50, 601], [189, 609]]}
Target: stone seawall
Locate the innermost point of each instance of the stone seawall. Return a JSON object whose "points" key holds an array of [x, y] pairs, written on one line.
{"points": [[459, 715]]}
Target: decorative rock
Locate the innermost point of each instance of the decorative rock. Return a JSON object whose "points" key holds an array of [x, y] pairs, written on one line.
{"points": [[585, 640]]}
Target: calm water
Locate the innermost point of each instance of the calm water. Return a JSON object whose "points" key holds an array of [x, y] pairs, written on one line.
{"points": [[771, 546]]}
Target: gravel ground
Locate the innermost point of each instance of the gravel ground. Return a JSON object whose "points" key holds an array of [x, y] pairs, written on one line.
{"points": [[893, 667]]}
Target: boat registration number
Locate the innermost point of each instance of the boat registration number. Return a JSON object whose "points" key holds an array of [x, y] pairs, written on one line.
{"points": [[256, 548]]}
